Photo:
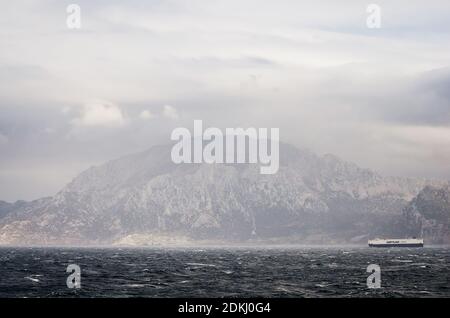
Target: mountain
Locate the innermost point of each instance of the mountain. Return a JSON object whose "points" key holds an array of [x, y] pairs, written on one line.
{"points": [[428, 215], [6, 207], [146, 199]]}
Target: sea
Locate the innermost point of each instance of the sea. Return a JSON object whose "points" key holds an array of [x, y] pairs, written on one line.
{"points": [[275, 272]]}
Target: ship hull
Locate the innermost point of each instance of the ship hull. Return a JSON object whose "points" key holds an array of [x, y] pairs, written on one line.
{"points": [[397, 245]]}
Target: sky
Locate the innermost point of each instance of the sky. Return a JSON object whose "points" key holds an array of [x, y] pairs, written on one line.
{"points": [[135, 70]]}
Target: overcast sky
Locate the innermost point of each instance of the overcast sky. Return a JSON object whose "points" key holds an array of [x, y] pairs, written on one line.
{"points": [[72, 98]]}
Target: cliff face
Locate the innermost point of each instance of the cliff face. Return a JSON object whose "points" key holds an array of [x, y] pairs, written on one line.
{"points": [[312, 199], [428, 215]]}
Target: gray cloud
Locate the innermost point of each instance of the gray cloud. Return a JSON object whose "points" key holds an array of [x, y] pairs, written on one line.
{"points": [[376, 97]]}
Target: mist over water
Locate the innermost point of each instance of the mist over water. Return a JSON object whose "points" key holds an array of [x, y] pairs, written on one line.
{"points": [[224, 272]]}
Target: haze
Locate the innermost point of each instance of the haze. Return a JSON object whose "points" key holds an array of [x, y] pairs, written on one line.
{"points": [[74, 98]]}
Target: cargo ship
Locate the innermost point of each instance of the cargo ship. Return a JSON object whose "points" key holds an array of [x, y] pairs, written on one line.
{"points": [[414, 242]]}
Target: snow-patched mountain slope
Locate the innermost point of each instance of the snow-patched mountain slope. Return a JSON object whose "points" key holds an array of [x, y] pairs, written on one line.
{"points": [[311, 198]]}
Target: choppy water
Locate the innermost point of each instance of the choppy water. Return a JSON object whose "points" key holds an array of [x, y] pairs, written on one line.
{"points": [[233, 272]]}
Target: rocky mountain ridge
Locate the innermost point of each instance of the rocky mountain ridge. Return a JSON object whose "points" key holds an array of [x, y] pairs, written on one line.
{"points": [[312, 199]]}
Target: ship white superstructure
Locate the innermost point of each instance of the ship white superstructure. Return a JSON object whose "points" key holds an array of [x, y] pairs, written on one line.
{"points": [[414, 242]]}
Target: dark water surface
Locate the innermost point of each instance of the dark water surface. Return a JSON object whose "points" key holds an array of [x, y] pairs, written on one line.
{"points": [[225, 272]]}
